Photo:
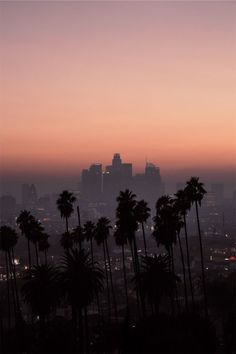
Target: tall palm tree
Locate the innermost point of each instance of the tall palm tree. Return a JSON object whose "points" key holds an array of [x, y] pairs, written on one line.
{"points": [[24, 222], [127, 226], [78, 236], [8, 240], [65, 205], [142, 213], [182, 205], [122, 241], [166, 223], [102, 233], [89, 233], [43, 246], [81, 281], [195, 192], [35, 233]]}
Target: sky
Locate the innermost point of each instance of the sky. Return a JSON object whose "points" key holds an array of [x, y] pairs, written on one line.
{"points": [[153, 80]]}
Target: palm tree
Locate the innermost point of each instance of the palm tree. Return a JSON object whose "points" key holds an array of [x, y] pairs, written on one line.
{"points": [[122, 241], [127, 226], [182, 205], [65, 205], [195, 192], [35, 233], [41, 291], [44, 245], [24, 223], [8, 240], [156, 279], [166, 224], [102, 233], [66, 241], [81, 281], [78, 236], [89, 233], [142, 213]]}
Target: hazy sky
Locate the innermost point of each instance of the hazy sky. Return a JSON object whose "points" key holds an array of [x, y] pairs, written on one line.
{"points": [[82, 80]]}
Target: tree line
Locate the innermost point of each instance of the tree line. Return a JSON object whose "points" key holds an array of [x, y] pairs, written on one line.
{"points": [[80, 281]]}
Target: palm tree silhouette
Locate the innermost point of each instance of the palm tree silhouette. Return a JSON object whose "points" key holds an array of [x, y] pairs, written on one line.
{"points": [[89, 233], [81, 281], [41, 291], [24, 223], [8, 240], [195, 192], [122, 241], [65, 205], [44, 245], [166, 225], [127, 225], [66, 241], [35, 233], [182, 204], [142, 213], [102, 233], [78, 236], [156, 279]]}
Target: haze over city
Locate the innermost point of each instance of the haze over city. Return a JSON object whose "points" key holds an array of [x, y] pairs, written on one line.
{"points": [[82, 80]]}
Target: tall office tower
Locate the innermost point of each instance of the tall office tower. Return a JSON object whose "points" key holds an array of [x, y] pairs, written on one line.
{"points": [[117, 177], [29, 195], [91, 182], [7, 209], [149, 186]]}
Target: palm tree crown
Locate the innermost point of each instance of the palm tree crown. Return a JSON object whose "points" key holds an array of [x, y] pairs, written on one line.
{"points": [[195, 190], [8, 238], [65, 204]]}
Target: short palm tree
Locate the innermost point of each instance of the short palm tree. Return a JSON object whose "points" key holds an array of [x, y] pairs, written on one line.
{"points": [[65, 205], [195, 192], [41, 291], [66, 241], [44, 245], [78, 236], [81, 281], [8, 240], [142, 213], [156, 279]]}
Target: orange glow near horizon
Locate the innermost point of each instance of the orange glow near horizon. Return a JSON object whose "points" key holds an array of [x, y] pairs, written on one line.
{"points": [[82, 81]]}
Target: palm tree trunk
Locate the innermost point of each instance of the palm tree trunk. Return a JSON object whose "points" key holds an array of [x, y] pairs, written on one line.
{"points": [[86, 330], [173, 273], [16, 288], [79, 225], [188, 263], [29, 255], [81, 331], [171, 290], [91, 250], [111, 281], [8, 292], [36, 253], [138, 277], [184, 273], [202, 263], [125, 278], [67, 225], [107, 282], [74, 327], [45, 257], [12, 284], [144, 239]]}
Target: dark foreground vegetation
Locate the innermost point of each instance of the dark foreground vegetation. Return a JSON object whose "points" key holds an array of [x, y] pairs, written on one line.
{"points": [[77, 305]]}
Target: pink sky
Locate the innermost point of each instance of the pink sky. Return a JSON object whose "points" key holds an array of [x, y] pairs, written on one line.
{"points": [[82, 80]]}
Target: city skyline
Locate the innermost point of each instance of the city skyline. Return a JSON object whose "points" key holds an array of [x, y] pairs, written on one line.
{"points": [[151, 80]]}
